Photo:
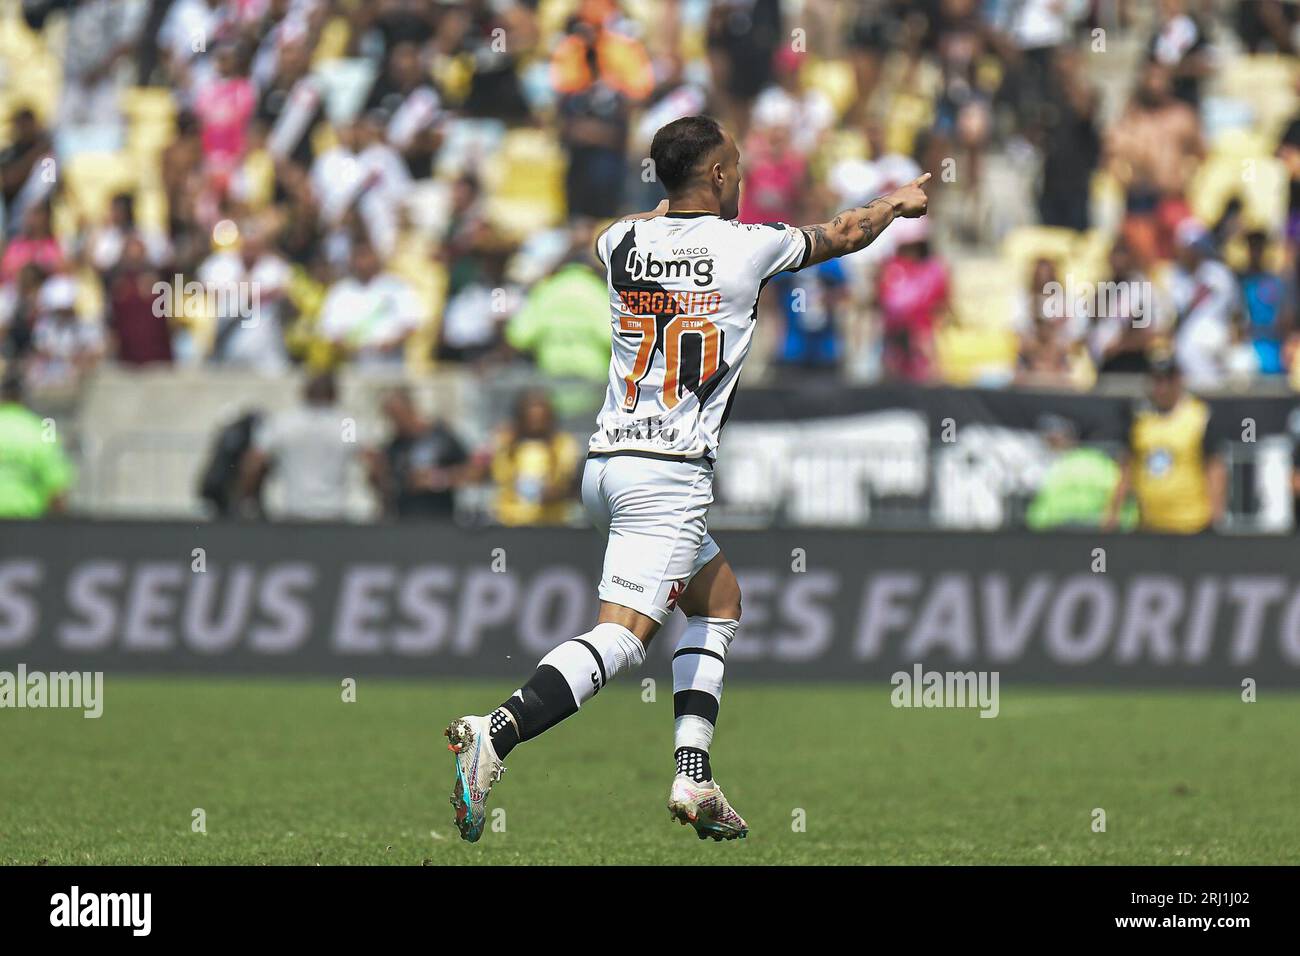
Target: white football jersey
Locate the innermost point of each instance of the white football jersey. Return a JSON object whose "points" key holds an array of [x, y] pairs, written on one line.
{"points": [[683, 297]]}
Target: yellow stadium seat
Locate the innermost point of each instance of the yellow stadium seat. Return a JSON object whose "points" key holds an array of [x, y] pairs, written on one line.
{"points": [[966, 356], [524, 182], [983, 291], [151, 208], [1106, 196], [1024, 245], [1242, 144], [90, 300], [841, 144], [92, 179], [908, 115], [1260, 181], [834, 79], [148, 104], [333, 42], [429, 278], [1267, 83], [32, 74]]}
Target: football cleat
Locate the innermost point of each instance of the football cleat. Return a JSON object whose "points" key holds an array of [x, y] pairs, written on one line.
{"points": [[704, 807], [477, 768]]}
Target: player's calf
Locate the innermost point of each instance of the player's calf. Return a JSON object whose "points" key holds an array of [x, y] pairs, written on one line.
{"points": [[699, 663], [565, 678]]}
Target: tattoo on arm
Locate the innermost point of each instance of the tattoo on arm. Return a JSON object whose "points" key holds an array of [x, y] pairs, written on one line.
{"points": [[851, 230], [818, 243]]}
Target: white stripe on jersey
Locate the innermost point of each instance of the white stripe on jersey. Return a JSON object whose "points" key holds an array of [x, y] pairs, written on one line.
{"points": [[683, 296]]}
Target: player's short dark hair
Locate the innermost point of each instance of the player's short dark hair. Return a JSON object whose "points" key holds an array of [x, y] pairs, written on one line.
{"points": [[678, 148]]}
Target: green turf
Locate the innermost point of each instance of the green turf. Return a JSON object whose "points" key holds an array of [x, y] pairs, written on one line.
{"points": [[288, 773]]}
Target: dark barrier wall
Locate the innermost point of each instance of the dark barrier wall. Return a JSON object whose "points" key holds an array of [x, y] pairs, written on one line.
{"points": [[904, 458], [1097, 417], [425, 600]]}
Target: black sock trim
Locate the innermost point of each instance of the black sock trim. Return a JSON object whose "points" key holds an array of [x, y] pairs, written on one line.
{"points": [[698, 650], [600, 661], [512, 705], [696, 703], [547, 700], [694, 762], [506, 736]]}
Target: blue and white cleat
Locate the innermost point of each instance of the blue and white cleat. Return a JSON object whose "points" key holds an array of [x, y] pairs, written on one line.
{"points": [[703, 806], [477, 768]]}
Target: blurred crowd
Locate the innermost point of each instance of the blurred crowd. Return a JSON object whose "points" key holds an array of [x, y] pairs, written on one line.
{"points": [[413, 474], [405, 184], [320, 181]]}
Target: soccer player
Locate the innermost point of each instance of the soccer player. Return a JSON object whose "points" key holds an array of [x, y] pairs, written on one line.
{"points": [[684, 282]]}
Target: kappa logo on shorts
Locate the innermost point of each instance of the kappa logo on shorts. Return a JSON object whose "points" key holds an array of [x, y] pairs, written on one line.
{"points": [[628, 584]]}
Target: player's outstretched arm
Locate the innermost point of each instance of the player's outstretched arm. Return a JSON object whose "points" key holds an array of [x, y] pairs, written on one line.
{"points": [[857, 228]]}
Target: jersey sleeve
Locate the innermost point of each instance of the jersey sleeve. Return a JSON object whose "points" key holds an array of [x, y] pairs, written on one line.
{"points": [[775, 247], [602, 243]]}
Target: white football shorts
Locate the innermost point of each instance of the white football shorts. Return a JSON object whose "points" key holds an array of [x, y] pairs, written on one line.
{"points": [[654, 513]]}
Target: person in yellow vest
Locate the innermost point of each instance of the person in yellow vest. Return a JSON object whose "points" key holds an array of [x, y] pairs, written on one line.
{"points": [[1172, 470], [534, 465]]}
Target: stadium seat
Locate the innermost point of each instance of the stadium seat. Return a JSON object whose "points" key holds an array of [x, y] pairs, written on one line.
{"points": [[414, 263], [983, 290], [1021, 247], [834, 79], [524, 182], [333, 43], [151, 122], [908, 116], [972, 356], [1267, 83], [148, 104], [840, 145], [1242, 143], [90, 180], [1261, 182], [32, 75]]}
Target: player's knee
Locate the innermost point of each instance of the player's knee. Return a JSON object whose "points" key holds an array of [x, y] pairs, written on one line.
{"points": [[733, 602], [728, 607]]}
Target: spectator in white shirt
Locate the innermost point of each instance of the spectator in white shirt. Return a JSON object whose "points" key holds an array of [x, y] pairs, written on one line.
{"points": [[1204, 293], [309, 449], [370, 314], [247, 290], [365, 172], [65, 346]]}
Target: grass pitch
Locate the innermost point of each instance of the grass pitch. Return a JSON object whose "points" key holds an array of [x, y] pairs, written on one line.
{"points": [[285, 772]]}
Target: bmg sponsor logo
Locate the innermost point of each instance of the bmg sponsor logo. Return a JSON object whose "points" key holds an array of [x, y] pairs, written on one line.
{"points": [[649, 266]]}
